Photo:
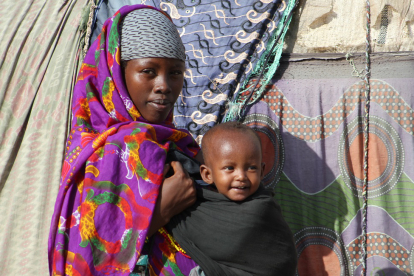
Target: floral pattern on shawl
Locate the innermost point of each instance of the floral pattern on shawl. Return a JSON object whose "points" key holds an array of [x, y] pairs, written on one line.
{"points": [[112, 170]]}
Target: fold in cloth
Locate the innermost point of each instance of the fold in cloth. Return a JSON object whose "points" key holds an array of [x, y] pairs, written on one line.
{"points": [[226, 237]]}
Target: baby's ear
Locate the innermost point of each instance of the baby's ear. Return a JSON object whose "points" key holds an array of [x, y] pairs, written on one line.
{"points": [[206, 174], [262, 172]]}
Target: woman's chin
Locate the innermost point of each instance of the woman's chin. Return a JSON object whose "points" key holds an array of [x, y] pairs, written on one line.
{"points": [[156, 113], [155, 118]]}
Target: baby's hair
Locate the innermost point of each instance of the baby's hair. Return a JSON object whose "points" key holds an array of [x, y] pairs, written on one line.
{"points": [[228, 126]]}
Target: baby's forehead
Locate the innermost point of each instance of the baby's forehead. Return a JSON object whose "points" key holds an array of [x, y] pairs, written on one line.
{"points": [[233, 137]]}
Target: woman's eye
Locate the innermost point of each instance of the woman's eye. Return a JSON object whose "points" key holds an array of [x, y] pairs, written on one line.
{"points": [[177, 72], [148, 71]]}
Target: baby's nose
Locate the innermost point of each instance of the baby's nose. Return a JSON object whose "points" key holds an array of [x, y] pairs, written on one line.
{"points": [[241, 175]]}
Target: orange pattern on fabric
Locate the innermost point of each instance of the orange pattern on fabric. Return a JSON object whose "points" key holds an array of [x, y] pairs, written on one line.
{"points": [[133, 111], [87, 70], [172, 242], [107, 97], [134, 162], [93, 170], [101, 139], [318, 260], [177, 135], [83, 112], [86, 138], [87, 224]]}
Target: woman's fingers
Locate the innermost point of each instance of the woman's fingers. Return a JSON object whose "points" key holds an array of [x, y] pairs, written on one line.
{"points": [[166, 169], [178, 169], [177, 192]]}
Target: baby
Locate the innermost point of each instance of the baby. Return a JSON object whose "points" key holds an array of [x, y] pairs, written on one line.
{"points": [[237, 228], [233, 160]]}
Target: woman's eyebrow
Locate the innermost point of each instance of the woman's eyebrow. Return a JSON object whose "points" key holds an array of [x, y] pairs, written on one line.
{"points": [[150, 63], [179, 65]]}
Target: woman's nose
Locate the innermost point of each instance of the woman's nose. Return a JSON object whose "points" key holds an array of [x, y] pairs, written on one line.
{"points": [[162, 84]]}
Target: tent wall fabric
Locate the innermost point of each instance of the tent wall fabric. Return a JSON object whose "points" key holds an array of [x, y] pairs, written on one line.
{"points": [[38, 56], [311, 124]]}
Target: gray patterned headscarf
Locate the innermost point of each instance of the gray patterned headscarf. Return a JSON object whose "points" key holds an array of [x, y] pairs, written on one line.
{"points": [[149, 33]]}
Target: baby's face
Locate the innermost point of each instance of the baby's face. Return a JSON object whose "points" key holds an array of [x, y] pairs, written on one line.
{"points": [[236, 165]]}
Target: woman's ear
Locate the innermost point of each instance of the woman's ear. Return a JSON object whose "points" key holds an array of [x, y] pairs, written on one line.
{"points": [[262, 172], [206, 174]]}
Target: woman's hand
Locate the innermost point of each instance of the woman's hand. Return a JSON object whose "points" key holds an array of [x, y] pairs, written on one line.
{"points": [[176, 194]]}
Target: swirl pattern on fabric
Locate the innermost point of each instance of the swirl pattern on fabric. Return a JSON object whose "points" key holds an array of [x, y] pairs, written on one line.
{"points": [[113, 168]]}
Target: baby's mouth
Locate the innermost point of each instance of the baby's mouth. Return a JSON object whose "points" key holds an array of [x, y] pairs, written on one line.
{"points": [[240, 188]]}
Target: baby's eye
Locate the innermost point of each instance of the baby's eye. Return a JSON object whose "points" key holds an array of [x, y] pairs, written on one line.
{"points": [[228, 168], [253, 168]]}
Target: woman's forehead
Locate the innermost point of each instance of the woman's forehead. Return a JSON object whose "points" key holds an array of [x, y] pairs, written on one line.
{"points": [[153, 63], [157, 60]]}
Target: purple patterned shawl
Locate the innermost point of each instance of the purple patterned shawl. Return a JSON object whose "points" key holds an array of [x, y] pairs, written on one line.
{"points": [[112, 171]]}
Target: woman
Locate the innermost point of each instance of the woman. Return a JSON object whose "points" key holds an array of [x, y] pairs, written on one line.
{"points": [[113, 194]]}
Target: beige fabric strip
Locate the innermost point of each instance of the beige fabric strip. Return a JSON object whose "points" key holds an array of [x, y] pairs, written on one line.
{"points": [[38, 56]]}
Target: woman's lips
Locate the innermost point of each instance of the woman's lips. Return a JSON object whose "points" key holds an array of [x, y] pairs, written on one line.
{"points": [[160, 104]]}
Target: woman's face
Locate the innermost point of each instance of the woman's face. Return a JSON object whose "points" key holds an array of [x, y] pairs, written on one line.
{"points": [[154, 85]]}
